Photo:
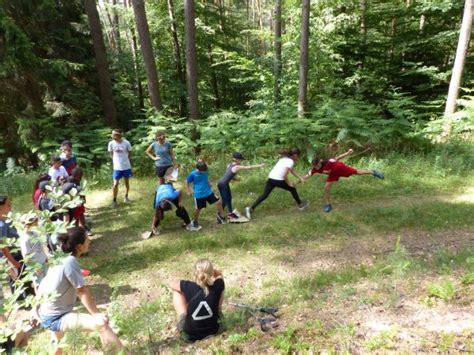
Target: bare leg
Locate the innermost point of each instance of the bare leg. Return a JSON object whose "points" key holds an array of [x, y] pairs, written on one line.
{"points": [[109, 339], [127, 185], [57, 336], [364, 172], [327, 192], [197, 212], [115, 189], [179, 304], [220, 210]]}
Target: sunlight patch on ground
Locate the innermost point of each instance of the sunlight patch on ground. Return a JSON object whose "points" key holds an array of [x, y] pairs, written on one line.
{"points": [[467, 196]]}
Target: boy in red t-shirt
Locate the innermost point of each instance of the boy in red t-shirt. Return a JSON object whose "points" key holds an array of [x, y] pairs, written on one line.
{"points": [[335, 169]]}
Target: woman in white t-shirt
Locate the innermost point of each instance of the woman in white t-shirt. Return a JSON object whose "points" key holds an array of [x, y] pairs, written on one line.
{"points": [[278, 177]]}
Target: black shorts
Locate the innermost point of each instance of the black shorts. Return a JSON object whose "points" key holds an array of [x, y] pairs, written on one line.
{"points": [[160, 171], [201, 202]]}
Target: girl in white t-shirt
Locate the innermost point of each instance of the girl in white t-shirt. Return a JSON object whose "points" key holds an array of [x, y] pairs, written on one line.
{"points": [[278, 177]]}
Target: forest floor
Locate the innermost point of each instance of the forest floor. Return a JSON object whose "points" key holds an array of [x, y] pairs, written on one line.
{"points": [[391, 268]]}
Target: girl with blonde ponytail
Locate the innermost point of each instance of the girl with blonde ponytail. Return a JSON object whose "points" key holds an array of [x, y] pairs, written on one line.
{"points": [[198, 304]]}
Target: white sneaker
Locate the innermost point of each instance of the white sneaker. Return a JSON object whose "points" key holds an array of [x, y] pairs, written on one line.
{"points": [[248, 212], [191, 228], [113, 204], [236, 212], [126, 199]]}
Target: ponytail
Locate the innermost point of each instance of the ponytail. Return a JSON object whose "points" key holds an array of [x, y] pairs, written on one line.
{"points": [[71, 239], [204, 275]]}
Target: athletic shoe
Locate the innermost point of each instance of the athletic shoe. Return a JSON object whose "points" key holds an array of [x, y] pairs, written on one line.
{"points": [[191, 228], [113, 204], [378, 174], [235, 212], [147, 235], [303, 205], [220, 219], [328, 208], [248, 212], [196, 224], [232, 216], [126, 199]]}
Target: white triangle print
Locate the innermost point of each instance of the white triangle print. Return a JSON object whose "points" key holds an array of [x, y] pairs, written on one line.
{"points": [[198, 309]]}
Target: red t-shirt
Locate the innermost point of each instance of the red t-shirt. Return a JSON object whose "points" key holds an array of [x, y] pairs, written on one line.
{"points": [[335, 169], [36, 197]]}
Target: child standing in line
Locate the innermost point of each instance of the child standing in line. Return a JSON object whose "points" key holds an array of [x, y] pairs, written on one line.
{"points": [[57, 172], [224, 182], [77, 214], [120, 151], [36, 190], [68, 158], [278, 177], [34, 256], [335, 169], [203, 193]]}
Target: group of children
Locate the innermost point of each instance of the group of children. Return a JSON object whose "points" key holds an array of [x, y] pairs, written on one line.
{"points": [[198, 303]]}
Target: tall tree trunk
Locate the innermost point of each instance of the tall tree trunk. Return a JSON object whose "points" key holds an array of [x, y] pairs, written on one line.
{"points": [[136, 66], [304, 41], [177, 55], [363, 30], [116, 26], [102, 66], [277, 52], [461, 52], [214, 82], [147, 51], [191, 61]]}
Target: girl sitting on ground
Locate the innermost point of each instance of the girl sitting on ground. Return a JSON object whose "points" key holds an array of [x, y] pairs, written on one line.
{"points": [[66, 282], [198, 304]]}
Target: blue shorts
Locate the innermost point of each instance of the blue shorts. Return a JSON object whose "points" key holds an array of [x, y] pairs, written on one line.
{"points": [[52, 323], [118, 174]]}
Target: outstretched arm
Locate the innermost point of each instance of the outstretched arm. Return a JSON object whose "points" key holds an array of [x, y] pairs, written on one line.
{"points": [[301, 178], [339, 157], [248, 167]]}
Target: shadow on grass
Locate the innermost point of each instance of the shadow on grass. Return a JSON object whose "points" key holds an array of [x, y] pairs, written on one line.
{"points": [[277, 231]]}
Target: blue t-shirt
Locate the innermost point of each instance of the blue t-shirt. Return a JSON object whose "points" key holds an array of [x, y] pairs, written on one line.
{"points": [[165, 191], [6, 231], [200, 179], [163, 151]]}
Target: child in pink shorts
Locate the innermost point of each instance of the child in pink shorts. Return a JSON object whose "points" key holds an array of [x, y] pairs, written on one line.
{"points": [[336, 169]]}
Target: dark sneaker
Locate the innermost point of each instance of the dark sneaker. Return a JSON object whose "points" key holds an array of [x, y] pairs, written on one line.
{"points": [[220, 219], [378, 174], [327, 208], [126, 199], [232, 216], [303, 205], [195, 224], [248, 212]]}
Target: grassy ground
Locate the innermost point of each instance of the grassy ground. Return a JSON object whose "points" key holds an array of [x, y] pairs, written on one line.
{"points": [[390, 269]]}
